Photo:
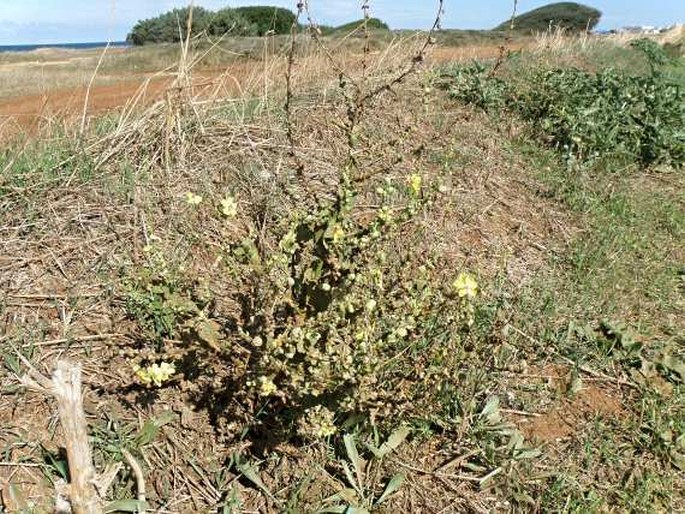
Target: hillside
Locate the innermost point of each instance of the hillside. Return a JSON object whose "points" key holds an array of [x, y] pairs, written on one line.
{"points": [[373, 24], [568, 15]]}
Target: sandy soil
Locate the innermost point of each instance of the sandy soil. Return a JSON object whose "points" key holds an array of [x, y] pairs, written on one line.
{"points": [[25, 113]]}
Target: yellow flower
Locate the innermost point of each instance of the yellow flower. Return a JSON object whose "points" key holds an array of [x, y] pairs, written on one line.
{"points": [[415, 183], [156, 374], [465, 286], [266, 386], [338, 234], [229, 207], [193, 199], [318, 423], [385, 215]]}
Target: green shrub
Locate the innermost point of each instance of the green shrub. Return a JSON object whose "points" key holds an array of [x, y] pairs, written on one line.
{"points": [[268, 18], [325, 316], [372, 24], [230, 21], [588, 115], [171, 26], [655, 54]]}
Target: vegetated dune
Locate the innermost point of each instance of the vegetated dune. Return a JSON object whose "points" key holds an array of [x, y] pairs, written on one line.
{"points": [[569, 16], [90, 226]]}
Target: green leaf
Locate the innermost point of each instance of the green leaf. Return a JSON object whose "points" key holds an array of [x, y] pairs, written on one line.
{"points": [[208, 332], [250, 472], [335, 509], [350, 477], [356, 510], [126, 506], [151, 427], [12, 364], [393, 442], [393, 486], [354, 458], [343, 509], [678, 459], [674, 366], [60, 466], [528, 454], [491, 411], [346, 495]]}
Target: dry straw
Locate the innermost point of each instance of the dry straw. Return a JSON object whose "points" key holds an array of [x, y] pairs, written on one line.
{"points": [[195, 138]]}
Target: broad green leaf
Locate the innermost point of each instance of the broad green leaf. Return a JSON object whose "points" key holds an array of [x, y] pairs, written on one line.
{"points": [[346, 495], [343, 509], [393, 442], [126, 506], [350, 476], [12, 364], [335, 509], [491, 411], [209, 333], [678, 459], [353, 455], [151, 427], [393, 486], [356, 510], [528, 454], [674, 366], [250, 472]]}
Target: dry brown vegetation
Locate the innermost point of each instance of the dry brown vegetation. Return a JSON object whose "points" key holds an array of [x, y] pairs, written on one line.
{"points": [[80, 212]]}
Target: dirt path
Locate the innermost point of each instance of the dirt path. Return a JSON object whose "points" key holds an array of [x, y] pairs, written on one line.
{"points": [[25, 113]]}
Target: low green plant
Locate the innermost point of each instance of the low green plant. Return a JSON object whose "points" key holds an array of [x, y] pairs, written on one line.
{"points": [[326, 315], [359, 495], [161, 299], [588, 116], [655, 54]]}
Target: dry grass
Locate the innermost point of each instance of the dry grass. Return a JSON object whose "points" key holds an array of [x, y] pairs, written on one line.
{"points": [[559, 41], [81, 221], [77, 213]]}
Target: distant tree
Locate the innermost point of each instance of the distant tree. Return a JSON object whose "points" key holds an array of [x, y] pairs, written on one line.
{"points": [[266, 18], [230, 21], [171, 26], [567, 15]]}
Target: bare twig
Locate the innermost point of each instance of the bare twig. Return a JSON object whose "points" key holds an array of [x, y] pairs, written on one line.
{"points": [[289, 88], [138, 473], [366, 8], [75, 339], [20, 465], [504, 48]]}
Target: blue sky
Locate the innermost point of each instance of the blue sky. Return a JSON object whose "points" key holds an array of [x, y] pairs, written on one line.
{"points": [[59, 21]]}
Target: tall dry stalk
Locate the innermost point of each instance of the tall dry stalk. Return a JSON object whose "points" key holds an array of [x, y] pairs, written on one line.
{"points": [[504, 47]]}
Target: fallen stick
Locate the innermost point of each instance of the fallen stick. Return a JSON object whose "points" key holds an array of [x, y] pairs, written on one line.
{"points": [[66, 387]]}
